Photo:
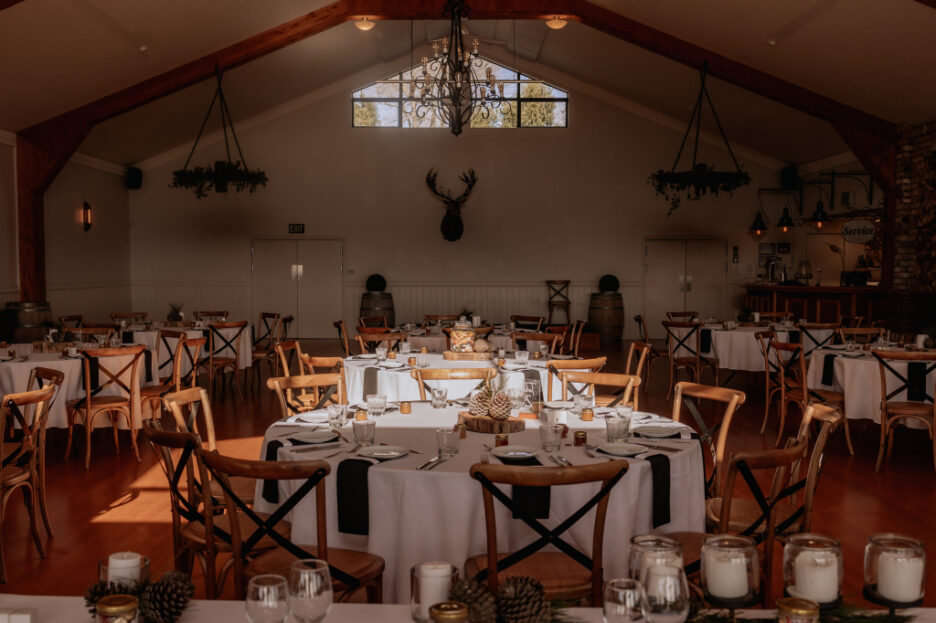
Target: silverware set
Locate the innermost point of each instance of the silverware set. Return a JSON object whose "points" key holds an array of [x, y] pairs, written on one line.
{"points": [[432, 463]]}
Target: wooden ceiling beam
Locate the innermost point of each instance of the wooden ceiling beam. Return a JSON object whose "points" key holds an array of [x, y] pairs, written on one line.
{"points": [[6, 4]]}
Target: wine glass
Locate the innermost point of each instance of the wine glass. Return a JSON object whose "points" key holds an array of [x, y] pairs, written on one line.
{"points": [[310, 590], [624, 601], [266, 599], [667, 595]]}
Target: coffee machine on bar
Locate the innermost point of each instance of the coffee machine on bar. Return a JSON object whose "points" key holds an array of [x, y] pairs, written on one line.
{"points": [[776, 269]]}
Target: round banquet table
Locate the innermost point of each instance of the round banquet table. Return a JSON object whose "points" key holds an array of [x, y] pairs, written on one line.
{"points": [[857, 376], [397, 384], [739, 349], [439, 343], [415, 516]]}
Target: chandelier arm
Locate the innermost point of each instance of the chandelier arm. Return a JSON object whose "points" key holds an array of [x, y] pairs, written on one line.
{"points": [[201, 129], [685, 137], [698, 129], [721, 130], [230, 119], [222, 108]]}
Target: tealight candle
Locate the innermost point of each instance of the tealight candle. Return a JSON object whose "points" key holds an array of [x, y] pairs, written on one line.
{"points": [[433, 581], [360, 414], [900, 578], [729, 567]]}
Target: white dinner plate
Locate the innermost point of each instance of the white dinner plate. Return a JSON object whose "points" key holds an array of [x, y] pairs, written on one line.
{"points": [[392, 363], [383, 453], [558, 404], [514, 453], [366, 356], [312, 417], [562, 357], [623, 449], [316, 436], [508, 365], [656, 431]]}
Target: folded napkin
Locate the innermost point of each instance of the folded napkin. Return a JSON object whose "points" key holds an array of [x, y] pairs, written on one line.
{"points": [[93, 372], [705, 342], [353, 508], [793, 336], [270, 490], [148, 361], [370, 380], [127, 337], [916, 381], [828, 369], [535, 500], [676, 435], [660, 472]]}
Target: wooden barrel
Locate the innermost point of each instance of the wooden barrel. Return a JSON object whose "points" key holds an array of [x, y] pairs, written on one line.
{"points": [[378, 304], [606, 315], [32, 321]]}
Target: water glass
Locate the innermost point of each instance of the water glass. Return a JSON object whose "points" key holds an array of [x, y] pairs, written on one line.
{"points": [[364, 432], [667, 595], [624, 601], [617, 428], [266, 599], [381, 352], [376, 405], [439, 397], [405, 348], [522, 357], [581, 401], [550, 436], [544, 350], [516, 397], [422, 360], [448, 442], [625, 411], [310, 590], [337, 414]]}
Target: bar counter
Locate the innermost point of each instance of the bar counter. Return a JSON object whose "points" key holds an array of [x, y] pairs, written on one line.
{"points": [[818, 303]]}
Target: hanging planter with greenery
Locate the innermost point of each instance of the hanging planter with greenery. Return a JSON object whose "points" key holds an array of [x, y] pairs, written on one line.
{"points": [[701, 178], [224, 173]]}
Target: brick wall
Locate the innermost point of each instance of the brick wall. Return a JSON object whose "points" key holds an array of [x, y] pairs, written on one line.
{"points": [[915, 231]]}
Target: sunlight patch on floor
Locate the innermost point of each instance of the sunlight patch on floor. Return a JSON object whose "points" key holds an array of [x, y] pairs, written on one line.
{"points": [[137, 506]]}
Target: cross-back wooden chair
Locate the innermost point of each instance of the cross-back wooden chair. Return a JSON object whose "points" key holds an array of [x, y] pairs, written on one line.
{"points": [[626, 386], [655, 353], [286, 350], [321, 389], [715, 437], [210, 316], [72, 321], [563, 332], [19, 464], [311, 364], [528, 322], [350, 570], [41, 378], [343, 336], [575, 337], [637, 355], [102, 371], [851, 322], [868, 335], [556, 366], [187, 353], [264, 343], [569, 573], [285, 323], [101, 334], [129, 317], [790, 361], [369, 341], [772, 374], [684, 343], [682, 316], [914, 386], [224, 354], [440, 318], [777, 316], [373, 321], [815, 335], [552, 339], [422, 375]]}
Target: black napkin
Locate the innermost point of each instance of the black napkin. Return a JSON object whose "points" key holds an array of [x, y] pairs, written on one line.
{"points": [[127, 337], [678, 435], [271, 487], [93, 366], [705, 341], [148, 361], [353, 508], [828, 369], [660, 471], [793, 337], [370, 380], [916, 381], [535, 500]]}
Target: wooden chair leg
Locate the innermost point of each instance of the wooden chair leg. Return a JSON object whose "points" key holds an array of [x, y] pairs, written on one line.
{"points": [[882, 443], [848, 441], [374, 591], [766, 403], [3, 577], [88, 429], [31, 508], [71, 432], [41, 498], [115, 418], [672, 381], [783, 410]]}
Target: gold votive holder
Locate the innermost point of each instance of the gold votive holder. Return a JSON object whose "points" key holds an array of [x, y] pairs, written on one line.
{"points": [[406, 408], [501, 361], [360, 414], [411, 361], [580, 438], [536, 355], [424, 350], [501, 439], [588, 414], [462, 431], [391, 354]]}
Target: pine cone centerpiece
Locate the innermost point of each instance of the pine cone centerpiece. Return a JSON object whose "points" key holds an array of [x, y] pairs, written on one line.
{"points": [[500, 406], [481, 345], [482, 607], [164, 601], [479, 403], [522, 600]]}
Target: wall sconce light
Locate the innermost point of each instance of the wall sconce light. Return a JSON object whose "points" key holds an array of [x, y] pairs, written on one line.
{"points": [[86, 216], [786, 221], [364, 24], [556, 23], [758, 227]]}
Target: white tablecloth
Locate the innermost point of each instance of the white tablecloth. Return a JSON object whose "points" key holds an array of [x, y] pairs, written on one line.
{"points": [[739, 349], [858, 377], [437, 515], [163, 367], [14, 376]]}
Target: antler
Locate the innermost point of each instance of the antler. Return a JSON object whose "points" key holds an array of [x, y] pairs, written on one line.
{"points": [[444, 195], [469, 179]]}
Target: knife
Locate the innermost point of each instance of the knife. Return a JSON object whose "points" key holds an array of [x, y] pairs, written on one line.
{"points": [[327, 446]]}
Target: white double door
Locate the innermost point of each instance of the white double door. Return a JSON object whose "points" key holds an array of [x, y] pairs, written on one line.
{"points": [[684, 275], [301, 278]]}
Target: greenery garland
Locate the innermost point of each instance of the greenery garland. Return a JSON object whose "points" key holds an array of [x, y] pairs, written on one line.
{"points": [[844, 613]]}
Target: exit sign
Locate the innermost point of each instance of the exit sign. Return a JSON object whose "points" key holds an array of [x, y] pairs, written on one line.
{"points": [[297, 228]]}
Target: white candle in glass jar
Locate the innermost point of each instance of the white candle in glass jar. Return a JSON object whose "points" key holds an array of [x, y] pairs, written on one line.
{"points": [[726, 574], [817, 576], [435, 582], [658, 559], [124, 566], [900, 577]]}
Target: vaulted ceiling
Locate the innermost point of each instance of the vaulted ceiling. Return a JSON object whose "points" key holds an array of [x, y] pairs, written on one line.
{"points": [[875, 56]]}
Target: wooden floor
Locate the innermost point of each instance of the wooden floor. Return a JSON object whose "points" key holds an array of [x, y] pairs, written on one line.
{"points": [[120, 504]]}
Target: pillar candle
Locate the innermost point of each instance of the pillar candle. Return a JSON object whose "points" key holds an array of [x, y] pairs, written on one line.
{"points": [[817, 576], [435, 582], [124, 566], [726, 574], [658, 559], [900, 578]]}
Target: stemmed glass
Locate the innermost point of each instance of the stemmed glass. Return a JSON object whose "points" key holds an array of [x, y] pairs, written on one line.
{"points": [[624, 601], [266, 599], [667, 595], [310, 590]]}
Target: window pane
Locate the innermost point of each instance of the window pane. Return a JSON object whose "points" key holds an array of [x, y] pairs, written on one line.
{"points": [[541, 89], [415, 116], [376, 114], [381, 90], [543, 114], [504, 116]]}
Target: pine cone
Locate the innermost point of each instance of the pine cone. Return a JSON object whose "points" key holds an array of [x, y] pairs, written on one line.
{"points": [[479, 403], [481, 345], [103, 589], [164, 601], [500, 406], [522, 600], [482, 608]]}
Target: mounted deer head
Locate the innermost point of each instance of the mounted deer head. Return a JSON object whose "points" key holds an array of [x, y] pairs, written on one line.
{"points": [[452, 226]]}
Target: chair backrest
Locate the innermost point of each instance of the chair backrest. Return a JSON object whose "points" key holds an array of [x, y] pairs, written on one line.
{"points": [[285, 322], [485, 375], [861, 336], [29, 409], [220, 344], [265, 335], [164, 368], [187, 407], [642, 327], [637, 358], [686, 395], [911, 385], [829, 417], [285, 349], [682, 315], [852, 322], [343, 336], [490, 475], [314, 365], [562, 331], [368, 341], [555, 366], [576, 339], [550, 338], [211, 316], [683, 339], [40, 378], [784, 315], [528, 322], [75, 319], [325, 389], [627, 382], [440, 318], [789, 362], [310, 477], [373, 321], [129, 316], [815, 335], [764, 338], [98, 333], [101, 363], [188, 351]]}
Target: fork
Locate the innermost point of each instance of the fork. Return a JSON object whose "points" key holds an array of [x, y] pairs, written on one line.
{"points": [[384, 443], [354, 449]]}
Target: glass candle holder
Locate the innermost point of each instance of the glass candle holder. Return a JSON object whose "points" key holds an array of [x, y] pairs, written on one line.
{"points": [[812, 569], [894, 570], [730, 571], [795, 610], [650, 550], [430, 583], [125, 568]]}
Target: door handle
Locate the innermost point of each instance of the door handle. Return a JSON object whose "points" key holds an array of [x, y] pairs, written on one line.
{"points": [[689, 283], [682, 282], [292, 272], [299, 271]]}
